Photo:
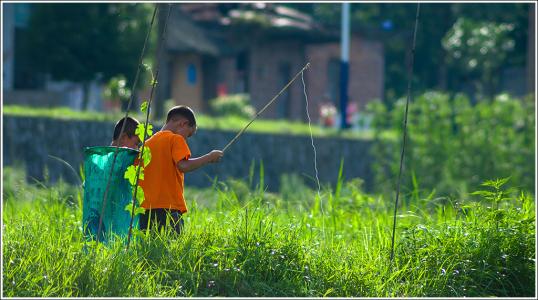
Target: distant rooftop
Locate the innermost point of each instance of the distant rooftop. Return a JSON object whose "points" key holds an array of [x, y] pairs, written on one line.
{"points": [[206, 27], [273, 15]]}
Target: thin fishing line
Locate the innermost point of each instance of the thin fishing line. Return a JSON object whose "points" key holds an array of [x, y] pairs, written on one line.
{"points": [[311, 136], [315, 154]]}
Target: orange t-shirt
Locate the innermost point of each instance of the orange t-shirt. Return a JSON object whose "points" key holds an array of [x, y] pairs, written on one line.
{"points": [[163, 182]]}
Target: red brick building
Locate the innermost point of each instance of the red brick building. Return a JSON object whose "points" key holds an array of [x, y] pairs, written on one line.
{"points": [[214, 49]]}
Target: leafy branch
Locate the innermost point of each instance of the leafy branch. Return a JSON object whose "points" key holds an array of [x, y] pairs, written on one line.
{"points": [[144, 158]]}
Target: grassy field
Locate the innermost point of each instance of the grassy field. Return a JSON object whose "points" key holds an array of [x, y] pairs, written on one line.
{"points": [[242, 241], [204, 121]]}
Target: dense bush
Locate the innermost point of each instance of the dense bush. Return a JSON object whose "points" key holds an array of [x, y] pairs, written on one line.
{"points": [[453, 145], [232, 105]]}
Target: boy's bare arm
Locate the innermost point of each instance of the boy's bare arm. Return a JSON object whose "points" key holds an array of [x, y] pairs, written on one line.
{"points": [[192, 164]]}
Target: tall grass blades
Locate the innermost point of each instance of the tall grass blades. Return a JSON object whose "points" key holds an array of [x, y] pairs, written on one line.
{"points": [[240, 240]]}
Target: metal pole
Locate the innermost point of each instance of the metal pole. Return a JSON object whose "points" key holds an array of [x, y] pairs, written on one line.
{"points": [[344, 65]]}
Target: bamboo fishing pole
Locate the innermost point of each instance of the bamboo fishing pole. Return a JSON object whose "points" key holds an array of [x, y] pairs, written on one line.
{"points": [[265, 107], [153, 84], [404, 138], [140, 60]]}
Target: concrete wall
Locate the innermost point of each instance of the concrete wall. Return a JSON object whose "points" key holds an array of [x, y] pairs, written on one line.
{"points": [[30, 140]]}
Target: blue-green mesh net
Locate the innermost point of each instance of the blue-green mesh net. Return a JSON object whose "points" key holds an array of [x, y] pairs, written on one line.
{"points": [[116, 220]]}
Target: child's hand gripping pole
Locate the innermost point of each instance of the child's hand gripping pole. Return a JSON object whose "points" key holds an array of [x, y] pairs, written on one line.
{"points": [[265, 107], [215, 156]]}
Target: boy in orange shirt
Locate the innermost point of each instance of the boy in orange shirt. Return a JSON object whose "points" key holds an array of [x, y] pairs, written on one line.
{"points": [[164, 175]]}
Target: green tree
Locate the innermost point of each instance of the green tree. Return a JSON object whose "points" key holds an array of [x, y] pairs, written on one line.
{"points": [[393, 23], [83, 42], [477, 50]]}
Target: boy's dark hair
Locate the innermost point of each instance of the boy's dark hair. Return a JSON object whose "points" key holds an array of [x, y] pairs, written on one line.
{"points": [[130, 127], [182, 111]]}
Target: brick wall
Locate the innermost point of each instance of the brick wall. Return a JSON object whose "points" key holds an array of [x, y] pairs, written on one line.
{"points": [[366, 81], [227, 74], [266, 81]]}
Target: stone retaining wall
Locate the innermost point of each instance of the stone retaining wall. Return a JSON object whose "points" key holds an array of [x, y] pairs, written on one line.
{"points": [[30, 141]]}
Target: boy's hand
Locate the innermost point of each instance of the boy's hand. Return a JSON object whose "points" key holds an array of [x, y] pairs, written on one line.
{"points": [[215, 156], [191, 164]]}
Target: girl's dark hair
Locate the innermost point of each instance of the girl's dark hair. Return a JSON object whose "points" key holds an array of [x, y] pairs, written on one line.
{"points": [[181, 111], [130, 127]]}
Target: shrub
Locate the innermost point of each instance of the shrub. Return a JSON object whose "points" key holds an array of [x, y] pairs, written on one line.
{"points": [[116, 89], [236, 105], [452, 145]]}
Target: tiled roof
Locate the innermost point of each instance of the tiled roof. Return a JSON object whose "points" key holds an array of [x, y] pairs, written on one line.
{"points": [[185, 35], [206, 27]]}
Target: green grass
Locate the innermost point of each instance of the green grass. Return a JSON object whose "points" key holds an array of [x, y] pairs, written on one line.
{"points": [[242, 241], [232, 123], [61, 113]]}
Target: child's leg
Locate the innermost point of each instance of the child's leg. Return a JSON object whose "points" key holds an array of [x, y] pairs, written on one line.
{"points": [[177, 221], [172, 218], [159, 219], [143, 220], [150, 218]]}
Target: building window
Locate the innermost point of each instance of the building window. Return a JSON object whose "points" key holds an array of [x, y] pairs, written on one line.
{"points": [[191, 74]]}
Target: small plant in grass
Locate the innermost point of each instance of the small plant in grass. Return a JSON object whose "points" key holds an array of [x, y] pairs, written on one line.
{"points": [[483, 248], [496, 194]]}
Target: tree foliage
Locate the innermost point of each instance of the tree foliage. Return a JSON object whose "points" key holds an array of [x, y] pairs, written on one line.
{"points": [[479, 49], [433, 70], [452, 145], [82, 42]]}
